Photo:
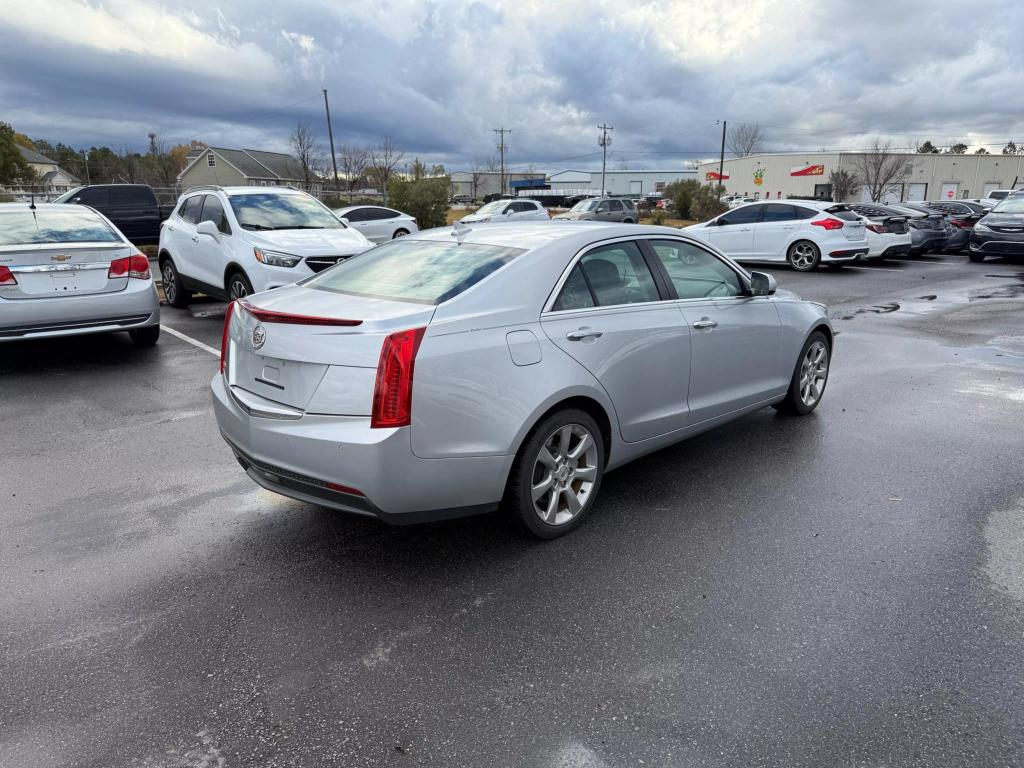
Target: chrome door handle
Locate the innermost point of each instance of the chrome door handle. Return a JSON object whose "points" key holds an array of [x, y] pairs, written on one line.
{"points": [[583, 333], [705, 323], [195, 238]]}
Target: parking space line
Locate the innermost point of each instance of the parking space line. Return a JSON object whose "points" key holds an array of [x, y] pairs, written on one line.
{"points": [[190, 340]]}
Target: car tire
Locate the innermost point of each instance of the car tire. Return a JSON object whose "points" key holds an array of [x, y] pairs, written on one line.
{"points": [[555, 452], [628, 221], [237, 286], [976, 258], [175, 293], [145, 337], [803, 256], [796, 401], [400, 233]]}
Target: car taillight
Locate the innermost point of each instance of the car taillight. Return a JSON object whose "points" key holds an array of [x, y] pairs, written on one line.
{"points": [[961, 223], [392, 394], [224, 336], [876, 228], [828, 223], [136, 266], [7, 277]]}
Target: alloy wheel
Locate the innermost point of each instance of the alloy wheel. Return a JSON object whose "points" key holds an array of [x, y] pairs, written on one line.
{"points": [[802, 256], [813, 373], [237, 290], [564, 474], [170, 285]]}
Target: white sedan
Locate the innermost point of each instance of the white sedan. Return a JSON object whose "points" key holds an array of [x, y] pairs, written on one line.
{"points": [[506, 210], [803, 233], [376, 223]]}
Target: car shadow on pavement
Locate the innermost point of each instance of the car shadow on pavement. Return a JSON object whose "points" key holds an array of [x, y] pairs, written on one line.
{"points": [[101, 350]]}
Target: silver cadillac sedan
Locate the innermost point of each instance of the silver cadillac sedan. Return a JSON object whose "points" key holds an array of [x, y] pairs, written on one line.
{"points": [[66, 270], [463, 369]]}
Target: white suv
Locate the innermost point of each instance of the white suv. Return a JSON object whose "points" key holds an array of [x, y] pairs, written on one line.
{"points": [[228, 242], [804, 233]]}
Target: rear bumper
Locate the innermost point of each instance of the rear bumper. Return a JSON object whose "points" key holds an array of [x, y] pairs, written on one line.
{"points": [[930, 241], [137, 306], [958, 240], [844, 254], [299, 457]]}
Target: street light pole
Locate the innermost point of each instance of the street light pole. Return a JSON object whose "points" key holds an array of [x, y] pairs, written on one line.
{"points": [[721, 158], [85, 154], [603, 142], [501, 156], [330, 135]]}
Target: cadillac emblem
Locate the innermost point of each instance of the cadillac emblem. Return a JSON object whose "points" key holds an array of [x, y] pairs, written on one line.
{"points": [[259, 336]]}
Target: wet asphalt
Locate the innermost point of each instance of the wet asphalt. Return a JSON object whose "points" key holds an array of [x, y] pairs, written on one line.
{"points": [[839, 590]]}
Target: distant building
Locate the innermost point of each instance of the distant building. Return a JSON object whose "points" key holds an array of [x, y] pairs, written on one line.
{"points": [[51, 179], [242, 167], [806, 174], [616, 182], [567, 183]]}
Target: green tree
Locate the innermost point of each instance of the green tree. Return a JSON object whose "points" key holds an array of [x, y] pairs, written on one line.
{"points": [[681, 193], [981, 151], [14, 169], [1011, 149], [707, 202], [957, 149], [928, 149], [424, 199]]}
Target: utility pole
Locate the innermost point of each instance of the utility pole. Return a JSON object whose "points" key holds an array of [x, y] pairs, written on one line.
{"points": [[721, 158], [501, 154], [330, 135], [603, 142], [85, 154]]}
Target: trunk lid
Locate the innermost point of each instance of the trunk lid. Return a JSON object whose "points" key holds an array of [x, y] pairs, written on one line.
{"points": [[300, 359], [62, 269]]}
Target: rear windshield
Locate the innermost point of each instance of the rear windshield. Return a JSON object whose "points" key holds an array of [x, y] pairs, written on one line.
{"points": [[422, 271], [76, 225], [843, 212]]}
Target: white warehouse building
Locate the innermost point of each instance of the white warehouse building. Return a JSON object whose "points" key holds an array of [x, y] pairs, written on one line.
{"points": [[806, 174], [635, 183]]}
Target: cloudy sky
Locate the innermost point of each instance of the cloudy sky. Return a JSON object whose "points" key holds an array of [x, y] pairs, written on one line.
{"points": [[439, 76]]}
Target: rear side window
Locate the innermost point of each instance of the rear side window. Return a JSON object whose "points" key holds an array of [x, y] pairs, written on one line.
{"points": [[618, 274], [421, 271], [127, 195], [695, 273], [189, 209], [615, 205], [777, 212], [359, 214], [71, 226], [575, 293]]}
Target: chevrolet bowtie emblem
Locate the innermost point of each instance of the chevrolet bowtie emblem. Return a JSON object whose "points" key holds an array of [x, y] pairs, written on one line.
{"points": [[60, 257]]}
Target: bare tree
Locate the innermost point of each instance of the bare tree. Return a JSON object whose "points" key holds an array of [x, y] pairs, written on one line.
{"points": [[384, 159], [161, 163], [745, 139], [879, 167], [307, 151], [129, 166], [353, 161], [843, 184]]}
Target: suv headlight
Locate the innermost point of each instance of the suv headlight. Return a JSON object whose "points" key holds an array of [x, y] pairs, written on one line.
{"points": [[275, 258], [979, 227]]}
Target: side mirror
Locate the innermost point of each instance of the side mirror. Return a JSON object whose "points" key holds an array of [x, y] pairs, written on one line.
{"points": [[208, 228], [343, 220], [762, 284], [508, 212]]}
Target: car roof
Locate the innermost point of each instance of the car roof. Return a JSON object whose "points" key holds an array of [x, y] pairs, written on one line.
{"points": [[365, 205], [534, 234], [244, 190], [44, 207]]}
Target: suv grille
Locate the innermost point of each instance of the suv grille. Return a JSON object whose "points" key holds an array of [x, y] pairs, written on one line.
{"points": [[320, 263]]}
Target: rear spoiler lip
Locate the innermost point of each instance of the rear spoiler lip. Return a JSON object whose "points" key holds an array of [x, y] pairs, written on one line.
{"points": [[288, 318]]}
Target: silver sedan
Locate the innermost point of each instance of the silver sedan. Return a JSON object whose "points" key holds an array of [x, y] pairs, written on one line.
{"points": [[461, 369], [66, 270]]}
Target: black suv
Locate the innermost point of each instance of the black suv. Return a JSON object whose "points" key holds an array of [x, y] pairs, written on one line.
{"points": [[133, 208]]}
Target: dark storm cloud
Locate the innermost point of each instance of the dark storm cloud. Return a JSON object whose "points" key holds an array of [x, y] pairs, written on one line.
{"points": [[439, 76]]}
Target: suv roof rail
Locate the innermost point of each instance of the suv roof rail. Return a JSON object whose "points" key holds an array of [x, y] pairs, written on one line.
{"points": [[204, 186]]}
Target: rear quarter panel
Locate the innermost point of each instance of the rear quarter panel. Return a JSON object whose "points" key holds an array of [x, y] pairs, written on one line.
{"points": [[798, 319], [471, 399]]}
